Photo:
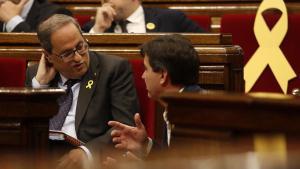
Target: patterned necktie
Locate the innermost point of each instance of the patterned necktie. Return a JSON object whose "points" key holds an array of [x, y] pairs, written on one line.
{"points": [[123, 25], [65, 103]]}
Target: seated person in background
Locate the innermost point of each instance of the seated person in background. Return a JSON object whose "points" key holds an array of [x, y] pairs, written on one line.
{"points": [[25, 15], [99, 88], [130, 16], [171, 65]]}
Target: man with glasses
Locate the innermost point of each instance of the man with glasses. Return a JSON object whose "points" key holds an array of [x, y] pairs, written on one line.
{"points": [[103, 88]]}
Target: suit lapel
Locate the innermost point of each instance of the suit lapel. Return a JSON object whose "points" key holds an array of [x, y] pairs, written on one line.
{"points": [[87, 88], [33, 15], [151, 20]]}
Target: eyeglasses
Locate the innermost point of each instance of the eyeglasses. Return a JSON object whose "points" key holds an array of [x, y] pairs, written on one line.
{"points": [[81, 49]]}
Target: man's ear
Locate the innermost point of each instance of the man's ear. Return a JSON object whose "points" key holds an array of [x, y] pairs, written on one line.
{"points": [[164, 77], [47, 56]]}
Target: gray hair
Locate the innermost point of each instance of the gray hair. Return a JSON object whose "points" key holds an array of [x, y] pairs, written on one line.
{"points": [[52, 24]]}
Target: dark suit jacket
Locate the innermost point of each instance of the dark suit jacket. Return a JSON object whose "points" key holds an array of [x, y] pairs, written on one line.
{"points": [[39, 11], [162, 145], [165, 20], [112, 97]]}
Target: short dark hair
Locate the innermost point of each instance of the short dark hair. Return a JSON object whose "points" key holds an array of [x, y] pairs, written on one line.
{"points": [[175, 54], [52, 24]]}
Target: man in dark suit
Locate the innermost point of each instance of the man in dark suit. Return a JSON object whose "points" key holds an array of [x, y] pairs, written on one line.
{"points": [[103, 86], [129, 16], [25, 15], [171, 65]]}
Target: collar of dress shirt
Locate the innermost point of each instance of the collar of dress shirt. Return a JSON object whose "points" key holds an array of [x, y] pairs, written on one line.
{"points": [[137, 16], [181, 90], [26, 9], [62, 80]]}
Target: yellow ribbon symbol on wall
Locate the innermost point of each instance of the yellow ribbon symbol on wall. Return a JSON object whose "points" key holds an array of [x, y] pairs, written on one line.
{"points": [[268, 52]]}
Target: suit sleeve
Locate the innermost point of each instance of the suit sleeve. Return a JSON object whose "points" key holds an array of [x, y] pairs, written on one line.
{"points": [[88, 26], [185, 24], [45, 13]]}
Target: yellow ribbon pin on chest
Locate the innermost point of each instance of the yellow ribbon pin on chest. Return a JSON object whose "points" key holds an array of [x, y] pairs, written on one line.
{"points": [[89, 84], [150, 26]]}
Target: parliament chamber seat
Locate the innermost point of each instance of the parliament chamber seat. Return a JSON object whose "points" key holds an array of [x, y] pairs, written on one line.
{"points": [[83, 19], [242, 29], [12, 72]]}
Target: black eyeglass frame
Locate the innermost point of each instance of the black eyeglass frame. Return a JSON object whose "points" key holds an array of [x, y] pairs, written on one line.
{"points": [[71, 54]]}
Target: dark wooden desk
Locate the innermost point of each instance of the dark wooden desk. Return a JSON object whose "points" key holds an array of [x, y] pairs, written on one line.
{"points": [[220, 123], [24, 119]]}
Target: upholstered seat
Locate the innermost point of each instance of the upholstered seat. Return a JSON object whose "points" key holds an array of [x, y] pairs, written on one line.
{"points": [[12, 72]]}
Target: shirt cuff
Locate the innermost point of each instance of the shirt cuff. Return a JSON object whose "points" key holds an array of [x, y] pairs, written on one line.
{"points": [[36, 84], [88, 153], [13, 22], [92, 30], [149, 146]]}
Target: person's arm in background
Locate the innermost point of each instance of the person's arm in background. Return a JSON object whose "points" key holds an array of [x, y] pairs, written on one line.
{"points": [[103, 19], [10, 13]]}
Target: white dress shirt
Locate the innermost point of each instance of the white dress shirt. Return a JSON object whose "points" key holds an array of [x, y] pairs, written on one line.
{"points": [[136, 22], [13, 22]]}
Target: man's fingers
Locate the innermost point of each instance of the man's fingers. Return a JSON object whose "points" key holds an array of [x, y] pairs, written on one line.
{"points": [[138, 121], [117, 125], [131, 156], [115, 133], [116, 140], [120, 146], [63, 162], [108, 14]]}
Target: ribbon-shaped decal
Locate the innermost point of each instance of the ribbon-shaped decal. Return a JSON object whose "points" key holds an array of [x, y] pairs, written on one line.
{"points": [[89, 84], [268, 52]]}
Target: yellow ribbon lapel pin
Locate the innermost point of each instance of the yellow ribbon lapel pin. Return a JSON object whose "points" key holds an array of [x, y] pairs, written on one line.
{"points": [[150, 26], [89, 84]]}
